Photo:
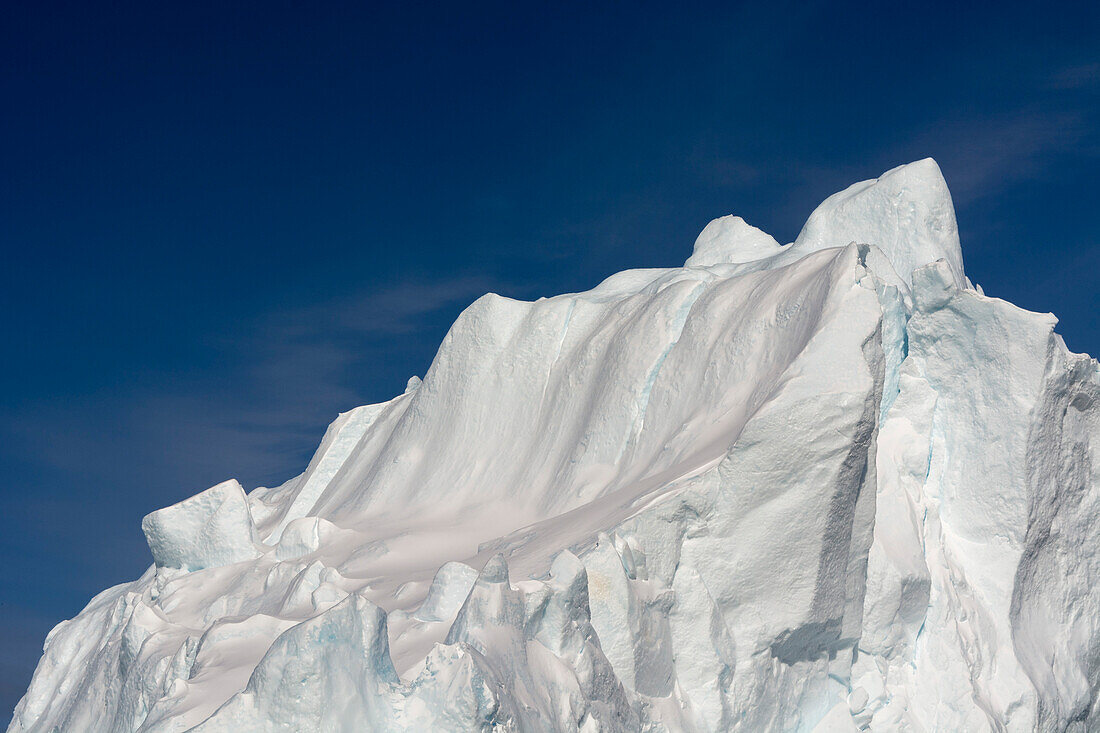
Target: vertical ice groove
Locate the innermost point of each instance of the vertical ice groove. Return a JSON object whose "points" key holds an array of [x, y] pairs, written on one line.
{"points": [[676, 328], [894, 342], [1052, 583], [557, 353]]}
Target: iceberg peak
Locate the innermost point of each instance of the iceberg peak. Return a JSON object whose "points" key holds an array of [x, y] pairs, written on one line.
{"points": [[731, 240], [906, 212]]}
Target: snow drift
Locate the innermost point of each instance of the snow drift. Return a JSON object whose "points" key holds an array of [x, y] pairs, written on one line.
{"points": [[826, 486]]}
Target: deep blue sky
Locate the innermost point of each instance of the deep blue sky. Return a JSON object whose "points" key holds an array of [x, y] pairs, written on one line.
{"points": [[220, 226]]}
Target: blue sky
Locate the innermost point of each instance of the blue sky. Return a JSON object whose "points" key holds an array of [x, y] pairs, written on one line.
{"points": [[221, 226]]}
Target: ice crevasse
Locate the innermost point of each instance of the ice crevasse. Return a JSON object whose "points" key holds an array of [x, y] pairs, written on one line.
{"points": [[821, 486]]}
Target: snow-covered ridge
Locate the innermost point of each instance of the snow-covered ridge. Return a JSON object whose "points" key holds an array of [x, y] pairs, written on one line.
{"points": [[826, 486]]}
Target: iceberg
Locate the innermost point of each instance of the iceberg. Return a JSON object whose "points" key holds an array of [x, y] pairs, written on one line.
{"points": [[822, 486]]}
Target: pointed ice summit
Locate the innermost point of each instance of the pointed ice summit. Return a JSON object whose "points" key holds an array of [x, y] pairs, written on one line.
{"points": [[821, 486]]}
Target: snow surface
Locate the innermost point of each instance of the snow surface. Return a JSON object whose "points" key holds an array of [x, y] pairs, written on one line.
{"points": [[826, 486]]}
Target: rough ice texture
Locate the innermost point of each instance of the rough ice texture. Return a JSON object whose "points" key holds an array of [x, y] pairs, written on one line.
{"points": [[210, 529], [822, 486]]}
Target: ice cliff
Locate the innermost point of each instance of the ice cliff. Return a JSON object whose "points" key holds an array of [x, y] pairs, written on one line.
{"points": [[822, 486]]}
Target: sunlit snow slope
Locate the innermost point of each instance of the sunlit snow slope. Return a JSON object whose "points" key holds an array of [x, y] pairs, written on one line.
{"points": [[823, 486]]}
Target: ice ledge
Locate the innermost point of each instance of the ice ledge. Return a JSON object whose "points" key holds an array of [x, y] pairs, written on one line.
{"points": [[210, 529]]}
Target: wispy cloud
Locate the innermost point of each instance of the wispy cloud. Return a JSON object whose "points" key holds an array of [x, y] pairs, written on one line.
{"points": [[394, 309], [982, 156], [260, 411], [1076, 77]]}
